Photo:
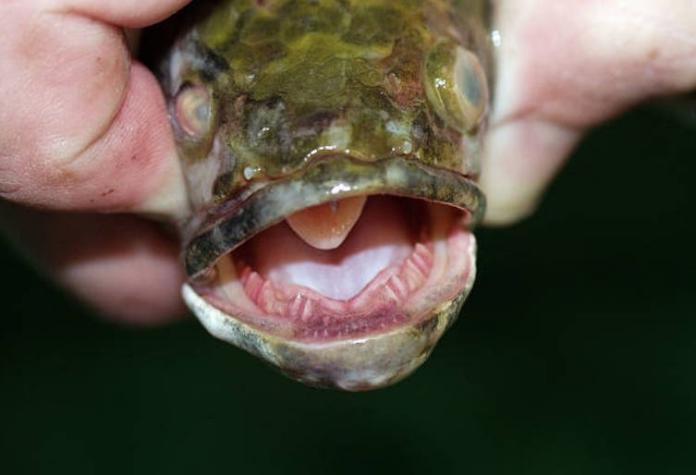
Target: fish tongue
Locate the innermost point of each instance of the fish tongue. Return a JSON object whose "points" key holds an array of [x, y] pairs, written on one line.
{"points": [[326, 226]]}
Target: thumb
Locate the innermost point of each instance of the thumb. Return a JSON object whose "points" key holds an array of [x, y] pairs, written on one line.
{"points": [[83, 126], [564, 67]]}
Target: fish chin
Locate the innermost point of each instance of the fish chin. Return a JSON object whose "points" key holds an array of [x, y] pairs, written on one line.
{"points": [[399, 278]]}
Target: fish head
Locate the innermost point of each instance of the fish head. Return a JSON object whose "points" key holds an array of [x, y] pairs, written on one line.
{"points": [[331, 152]]}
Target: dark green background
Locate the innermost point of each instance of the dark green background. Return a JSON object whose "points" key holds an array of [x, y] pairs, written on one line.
{"points": [[576, 354]]}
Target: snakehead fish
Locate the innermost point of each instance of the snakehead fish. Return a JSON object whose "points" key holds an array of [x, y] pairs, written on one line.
{"points": [[330, 149]]}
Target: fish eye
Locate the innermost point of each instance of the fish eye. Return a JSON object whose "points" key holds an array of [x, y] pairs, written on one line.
{"points": [[471, 84], [456, 86], [193, 110]]}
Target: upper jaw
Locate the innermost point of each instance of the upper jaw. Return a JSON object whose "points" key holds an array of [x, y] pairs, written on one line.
{"points": [[327, 179]]}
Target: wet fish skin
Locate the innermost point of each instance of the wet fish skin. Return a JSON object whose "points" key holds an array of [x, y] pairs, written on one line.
{"points": [[275, 96]]}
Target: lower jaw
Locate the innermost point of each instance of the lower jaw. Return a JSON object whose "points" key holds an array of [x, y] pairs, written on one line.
{"points": [[370, 348]]}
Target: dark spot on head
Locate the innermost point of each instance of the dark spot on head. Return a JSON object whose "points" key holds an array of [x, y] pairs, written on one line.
{"points": [[222, 185], [427, 326], [209, 64]]}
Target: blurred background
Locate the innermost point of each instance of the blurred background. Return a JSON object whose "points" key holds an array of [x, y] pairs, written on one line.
{"points": [[576, 353]]}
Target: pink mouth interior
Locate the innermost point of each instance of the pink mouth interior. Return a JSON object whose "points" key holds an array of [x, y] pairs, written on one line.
{"points": [[384, 235], [402, 258]]}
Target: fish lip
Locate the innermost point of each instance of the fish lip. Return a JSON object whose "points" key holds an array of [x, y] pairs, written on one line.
{"points": [[354, 364], [331, 178]]}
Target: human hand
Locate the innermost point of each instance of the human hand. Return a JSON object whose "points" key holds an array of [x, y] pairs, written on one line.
{"points": [[83, 128], [566, 66]]}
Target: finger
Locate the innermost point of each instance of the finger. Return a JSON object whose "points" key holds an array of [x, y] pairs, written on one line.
{"points": [[564, 67], [127, 13], [82, 128], [124, 267]]}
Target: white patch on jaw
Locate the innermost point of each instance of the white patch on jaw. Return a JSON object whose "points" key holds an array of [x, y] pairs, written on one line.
{"points": [[251, 172], [337, 136]]}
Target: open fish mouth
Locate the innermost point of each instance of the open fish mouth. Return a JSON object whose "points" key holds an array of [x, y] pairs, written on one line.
{"points": [[345, 276]]}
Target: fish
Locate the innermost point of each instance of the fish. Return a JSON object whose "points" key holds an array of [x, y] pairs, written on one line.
{"points": [[331, 151]]}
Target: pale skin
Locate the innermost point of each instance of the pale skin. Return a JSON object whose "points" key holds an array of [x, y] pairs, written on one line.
{"points": [[83, 127]]}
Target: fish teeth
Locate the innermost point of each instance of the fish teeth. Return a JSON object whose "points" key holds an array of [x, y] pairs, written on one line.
{"points": [[391, 293], [395, 284], [399, 286], [412, 275], [422, 258], [297, 306], [246, 272], [265, 298], [368, 295], [253, 285], [423, 250], [269, 301], [307, 310]]}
